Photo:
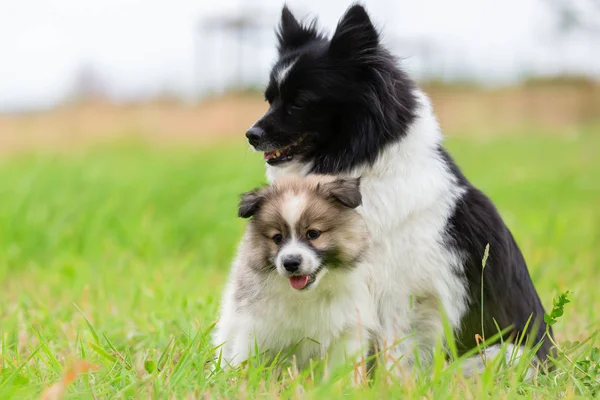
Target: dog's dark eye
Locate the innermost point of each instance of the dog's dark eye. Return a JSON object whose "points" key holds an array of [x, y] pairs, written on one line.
{"points": [[312, 234], [297, 105], [277, 238]]}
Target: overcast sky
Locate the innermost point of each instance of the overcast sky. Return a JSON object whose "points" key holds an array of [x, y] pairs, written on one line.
{"points": [[145, 46]]}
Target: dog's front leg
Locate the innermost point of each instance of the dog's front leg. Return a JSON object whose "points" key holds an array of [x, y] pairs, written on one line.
{"points": [[351, 348], [409, 340], [395, 350]]}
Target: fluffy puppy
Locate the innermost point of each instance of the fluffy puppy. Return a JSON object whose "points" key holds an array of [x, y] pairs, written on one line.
{"points": [[295, 286]]}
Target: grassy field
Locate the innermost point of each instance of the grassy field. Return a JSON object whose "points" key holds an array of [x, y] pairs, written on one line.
{"points": [[112, 261]]}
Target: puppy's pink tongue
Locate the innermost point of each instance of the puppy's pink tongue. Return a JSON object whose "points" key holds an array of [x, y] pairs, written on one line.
{"points": [[299, 282]]}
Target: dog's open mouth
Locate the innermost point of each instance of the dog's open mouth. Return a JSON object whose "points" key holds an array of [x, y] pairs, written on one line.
{"points": [[301, 282], [286, 154]]}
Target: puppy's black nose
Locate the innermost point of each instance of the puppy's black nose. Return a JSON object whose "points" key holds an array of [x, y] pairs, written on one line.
{"points": [[255, 135], [291, 263]]}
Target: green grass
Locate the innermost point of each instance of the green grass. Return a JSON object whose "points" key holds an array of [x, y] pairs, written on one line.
{"points": [[117, 256]]}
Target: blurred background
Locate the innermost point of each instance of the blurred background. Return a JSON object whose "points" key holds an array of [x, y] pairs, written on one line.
{"points": [[122, 156], [184, 69]]}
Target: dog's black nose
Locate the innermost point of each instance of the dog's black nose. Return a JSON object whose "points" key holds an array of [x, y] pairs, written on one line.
{"points": [[254, 135], [291, 263]]}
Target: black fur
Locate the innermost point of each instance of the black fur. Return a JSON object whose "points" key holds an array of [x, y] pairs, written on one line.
{"points": [[292, 35], [350, 97], [509, 297]]}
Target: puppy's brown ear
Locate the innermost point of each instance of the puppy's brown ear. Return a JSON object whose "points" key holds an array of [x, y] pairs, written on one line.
{"points": [[345, 191], [250, 203]]}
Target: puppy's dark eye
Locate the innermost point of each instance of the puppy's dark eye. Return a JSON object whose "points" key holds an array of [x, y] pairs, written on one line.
{"points": [[312, 234], [277, 238]]}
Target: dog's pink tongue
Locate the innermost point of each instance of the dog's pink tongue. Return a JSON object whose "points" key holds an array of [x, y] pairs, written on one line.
{"points": [[299, 282]]}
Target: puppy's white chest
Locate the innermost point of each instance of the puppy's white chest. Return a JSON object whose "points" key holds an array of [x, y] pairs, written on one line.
{"points": [[319, 314]]}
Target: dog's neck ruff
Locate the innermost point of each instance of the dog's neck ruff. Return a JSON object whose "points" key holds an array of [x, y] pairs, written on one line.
{"points": [[292, 168]]}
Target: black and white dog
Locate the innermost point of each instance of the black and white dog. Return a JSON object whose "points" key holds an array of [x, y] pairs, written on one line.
{"points": [[342, 106]]}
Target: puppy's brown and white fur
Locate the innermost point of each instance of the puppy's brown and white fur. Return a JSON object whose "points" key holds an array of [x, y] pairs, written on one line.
{"points": [[295, 284]]}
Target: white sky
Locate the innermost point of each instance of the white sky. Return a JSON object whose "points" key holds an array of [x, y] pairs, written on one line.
{"points": [[143, 46]]}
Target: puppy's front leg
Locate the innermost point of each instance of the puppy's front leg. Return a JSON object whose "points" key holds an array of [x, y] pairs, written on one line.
{"points": [[350, 348], [233, 342]]}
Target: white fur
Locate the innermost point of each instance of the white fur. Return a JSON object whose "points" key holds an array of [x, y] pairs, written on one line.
{"points": [[292, 207], [283, 72], [293, 167], [508, 355]]}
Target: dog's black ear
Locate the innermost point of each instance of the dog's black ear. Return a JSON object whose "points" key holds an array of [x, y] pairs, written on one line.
{"points": [[355, 34], [292, 34], [345, 191], [250, 203]]}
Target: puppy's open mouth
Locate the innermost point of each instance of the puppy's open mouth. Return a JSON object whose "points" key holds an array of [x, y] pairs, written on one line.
{"points": [[301, 282], [283, 155]]}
